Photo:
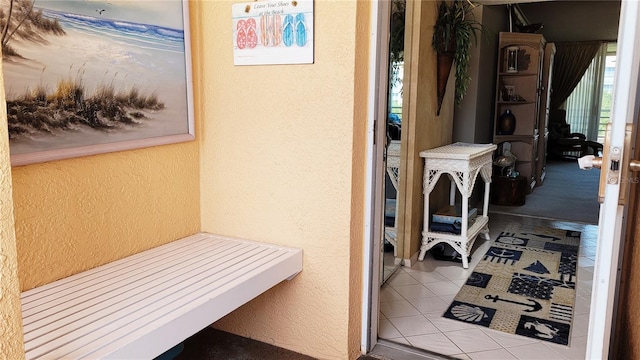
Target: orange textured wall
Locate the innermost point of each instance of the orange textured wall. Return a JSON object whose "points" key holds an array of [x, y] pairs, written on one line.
{"points": [[278, 165], [277, 159], [11, 345], [73, 215]]}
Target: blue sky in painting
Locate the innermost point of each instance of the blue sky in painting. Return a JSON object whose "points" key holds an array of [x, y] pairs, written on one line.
{"points": [[166, 13]]}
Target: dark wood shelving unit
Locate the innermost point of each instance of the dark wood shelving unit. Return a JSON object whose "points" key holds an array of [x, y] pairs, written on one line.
{"points": [[530, 82]]}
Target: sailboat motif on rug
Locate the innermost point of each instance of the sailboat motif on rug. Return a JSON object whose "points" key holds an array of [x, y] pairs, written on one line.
{"points": [[525, 285]]}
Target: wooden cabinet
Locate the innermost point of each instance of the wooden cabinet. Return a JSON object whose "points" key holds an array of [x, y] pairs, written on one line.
{"points": [[519, 89]]}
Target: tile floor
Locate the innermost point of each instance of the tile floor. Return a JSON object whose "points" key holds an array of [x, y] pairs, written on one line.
{"points": [[413, 300]]}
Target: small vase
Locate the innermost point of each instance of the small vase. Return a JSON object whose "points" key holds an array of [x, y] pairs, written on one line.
{"points": [[506, 123]]}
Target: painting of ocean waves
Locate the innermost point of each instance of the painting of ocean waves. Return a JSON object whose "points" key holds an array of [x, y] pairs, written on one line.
{"points": [[95, 75], [157, 37]]}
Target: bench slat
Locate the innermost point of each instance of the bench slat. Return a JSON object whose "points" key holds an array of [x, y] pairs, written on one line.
{"points": [[68, 296], [139, 307], [73, 296], [137, 289], [31, 297]]}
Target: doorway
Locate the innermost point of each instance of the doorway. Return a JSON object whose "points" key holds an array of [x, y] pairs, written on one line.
{"points": [[455, 275]]}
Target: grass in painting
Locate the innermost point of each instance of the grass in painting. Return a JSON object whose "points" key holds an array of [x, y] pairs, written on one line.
{"points": [[22, 22], [68, 107]]}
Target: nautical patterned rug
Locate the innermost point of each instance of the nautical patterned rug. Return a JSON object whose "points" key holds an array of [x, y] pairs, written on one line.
{"points": [[525, 285]]}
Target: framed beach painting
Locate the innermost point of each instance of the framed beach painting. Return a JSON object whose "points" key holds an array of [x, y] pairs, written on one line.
{"points": [[84, 77]]}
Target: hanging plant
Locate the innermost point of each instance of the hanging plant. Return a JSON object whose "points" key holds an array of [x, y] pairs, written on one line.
{"points": [[453, 33]]}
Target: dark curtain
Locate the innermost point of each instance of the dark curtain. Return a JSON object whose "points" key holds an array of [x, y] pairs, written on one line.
{"points": [[571, 62]]}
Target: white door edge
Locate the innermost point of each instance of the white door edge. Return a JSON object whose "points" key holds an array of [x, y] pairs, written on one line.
{"points": [[610, 227], [372, 235]]}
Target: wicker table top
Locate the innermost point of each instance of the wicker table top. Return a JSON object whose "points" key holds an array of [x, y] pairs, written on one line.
{"points": [[459, 151]]}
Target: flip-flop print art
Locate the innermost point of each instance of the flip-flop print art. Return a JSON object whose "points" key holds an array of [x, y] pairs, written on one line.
{"points": [[252, 36], [272, 32], [276, 23], [287, 31], [301, 30], [241, 35]]}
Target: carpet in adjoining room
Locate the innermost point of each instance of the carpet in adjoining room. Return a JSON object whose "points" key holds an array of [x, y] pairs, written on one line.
{"points": [[567, 193], [525, 285]]}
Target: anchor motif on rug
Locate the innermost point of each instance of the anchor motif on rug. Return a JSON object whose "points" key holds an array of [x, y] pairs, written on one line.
{"points": [[533, 305], [525, 284]]}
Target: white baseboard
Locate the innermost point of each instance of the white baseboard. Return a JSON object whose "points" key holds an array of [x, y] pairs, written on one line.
{"points": [[410, 261]]}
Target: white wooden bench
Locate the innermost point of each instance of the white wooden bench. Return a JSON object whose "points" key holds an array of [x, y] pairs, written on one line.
{"points": [[143, 305]]}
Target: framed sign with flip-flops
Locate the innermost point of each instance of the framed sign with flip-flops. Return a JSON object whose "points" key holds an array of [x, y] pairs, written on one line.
{"points": [[273, 32]]}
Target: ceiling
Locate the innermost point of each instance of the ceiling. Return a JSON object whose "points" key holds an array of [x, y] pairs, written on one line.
{"points": [[589, 19]]}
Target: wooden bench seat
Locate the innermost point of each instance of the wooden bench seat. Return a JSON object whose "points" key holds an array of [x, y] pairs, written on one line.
{"points": [[143, 305]]}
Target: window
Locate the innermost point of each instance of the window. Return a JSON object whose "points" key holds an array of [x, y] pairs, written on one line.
{"points": [[589, 105], [607, 91]]}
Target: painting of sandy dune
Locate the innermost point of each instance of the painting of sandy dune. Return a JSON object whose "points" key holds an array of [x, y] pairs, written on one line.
{"points": [[89, 76]]}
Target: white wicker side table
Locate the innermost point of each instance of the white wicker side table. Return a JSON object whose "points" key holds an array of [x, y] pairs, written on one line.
{"points": [[393, 171], [462, 162]]}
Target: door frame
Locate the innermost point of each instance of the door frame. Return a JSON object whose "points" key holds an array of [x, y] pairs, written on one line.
{"points": [[375, 172]]}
